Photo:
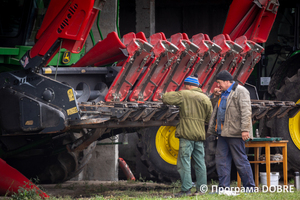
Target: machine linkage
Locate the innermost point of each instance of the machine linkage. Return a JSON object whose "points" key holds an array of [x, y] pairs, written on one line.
{"points": [[125, 114], [146, 114]]}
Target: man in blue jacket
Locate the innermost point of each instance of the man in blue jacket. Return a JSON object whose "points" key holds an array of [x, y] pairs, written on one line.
{"points": [[232, 123]]}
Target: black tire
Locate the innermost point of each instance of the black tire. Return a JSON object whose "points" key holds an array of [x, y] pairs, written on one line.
{"points": [[264, 127], [51, 164], [288, 69], [158, 167], [288, 92], [67, 165]]}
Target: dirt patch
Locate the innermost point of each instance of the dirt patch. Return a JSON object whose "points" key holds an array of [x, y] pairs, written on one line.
{"points": [[81, 189]]}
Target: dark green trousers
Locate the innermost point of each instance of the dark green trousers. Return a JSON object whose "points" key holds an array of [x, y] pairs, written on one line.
{"points": [[190, 149]]}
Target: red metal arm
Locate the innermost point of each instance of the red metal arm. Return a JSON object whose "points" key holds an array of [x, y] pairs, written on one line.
{"points": [[253, 19], [67, 21]]}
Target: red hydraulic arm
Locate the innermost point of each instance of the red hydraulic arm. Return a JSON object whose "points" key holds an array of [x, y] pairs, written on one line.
{"points": [[66, 24], [253, 19]]}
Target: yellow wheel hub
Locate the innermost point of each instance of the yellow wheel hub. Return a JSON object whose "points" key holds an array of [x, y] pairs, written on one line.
{"points": [[294, 127], [166, 144]]}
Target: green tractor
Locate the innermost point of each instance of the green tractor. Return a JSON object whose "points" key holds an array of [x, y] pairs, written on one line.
{"points": [[46, 155]]}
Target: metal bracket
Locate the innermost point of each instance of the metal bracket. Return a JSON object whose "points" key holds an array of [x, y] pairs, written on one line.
{"points": [[273, 6]]}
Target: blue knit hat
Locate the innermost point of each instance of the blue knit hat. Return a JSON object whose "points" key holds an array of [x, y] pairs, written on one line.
{"points": [[192, 80]]}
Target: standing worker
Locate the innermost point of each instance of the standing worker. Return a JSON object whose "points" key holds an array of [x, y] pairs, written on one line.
{"points": [[195, 109], [231, 121]]}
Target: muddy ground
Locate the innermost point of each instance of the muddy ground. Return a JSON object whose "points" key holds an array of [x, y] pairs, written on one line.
{"points": [[85, 189]]}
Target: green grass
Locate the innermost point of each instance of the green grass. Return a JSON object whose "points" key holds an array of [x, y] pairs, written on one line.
{"points": [[145, 190], [158, 195]]}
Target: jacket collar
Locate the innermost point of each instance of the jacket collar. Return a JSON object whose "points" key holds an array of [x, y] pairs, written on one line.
{"points": [[235, 85], [197, 89]]}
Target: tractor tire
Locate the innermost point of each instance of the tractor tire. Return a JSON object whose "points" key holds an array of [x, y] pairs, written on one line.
{"points": [[67, 165], [159, 149], [51, 165], [157, 166], [287, 69], [289, 128]]}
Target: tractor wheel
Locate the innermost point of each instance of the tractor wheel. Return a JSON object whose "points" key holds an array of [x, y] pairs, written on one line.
{"points": [[52, 164], [287, 69], [159, 147], [289, 128], [159, 150], [67, 165]]}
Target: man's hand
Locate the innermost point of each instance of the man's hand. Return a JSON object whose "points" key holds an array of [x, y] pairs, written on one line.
{"points": [[217, 92], [245, 135]]}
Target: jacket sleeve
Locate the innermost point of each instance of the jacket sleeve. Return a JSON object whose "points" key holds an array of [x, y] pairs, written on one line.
{"points": [[212, 122], [209, 111], [245, 109], [172, 98], [214, 100]]}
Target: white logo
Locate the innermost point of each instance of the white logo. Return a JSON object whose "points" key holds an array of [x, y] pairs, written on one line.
{"points": [[203, 188], [22, 81]]}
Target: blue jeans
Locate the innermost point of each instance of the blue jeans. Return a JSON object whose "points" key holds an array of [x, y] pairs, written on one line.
{"points": [[188, 149], [229, 148]]}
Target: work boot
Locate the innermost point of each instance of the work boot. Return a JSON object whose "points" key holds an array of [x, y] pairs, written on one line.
{"points": [[183, 193], [198, 193]]}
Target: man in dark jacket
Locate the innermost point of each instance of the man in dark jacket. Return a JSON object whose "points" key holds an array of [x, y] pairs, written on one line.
{"points": [[231, 122], [194, 110]]}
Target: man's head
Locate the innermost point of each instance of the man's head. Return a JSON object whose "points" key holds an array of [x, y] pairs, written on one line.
{"points": [[224, 80], [191, 82]]}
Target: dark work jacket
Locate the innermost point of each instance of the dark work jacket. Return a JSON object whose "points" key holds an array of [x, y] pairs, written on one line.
{"points": [[195, 109], [237, 115]]}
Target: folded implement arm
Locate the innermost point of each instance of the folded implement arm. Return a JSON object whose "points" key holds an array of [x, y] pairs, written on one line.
{"points": [[146, 68]]}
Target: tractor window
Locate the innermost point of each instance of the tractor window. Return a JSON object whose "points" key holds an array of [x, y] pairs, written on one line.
{"points": [[286, 29], [10, 17], [20, 20], [282, 42], [36, 19]]}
